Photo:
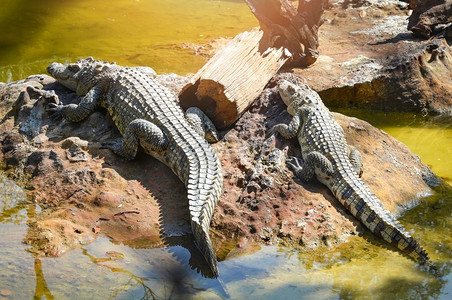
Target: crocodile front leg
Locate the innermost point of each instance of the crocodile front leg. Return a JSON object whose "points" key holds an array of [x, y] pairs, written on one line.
{"points": [[313, 160], [139, 132], [77, 112], [287, 131], [356, 159], [201, 124]]}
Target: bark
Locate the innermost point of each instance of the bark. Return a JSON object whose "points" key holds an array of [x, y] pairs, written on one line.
{"points": [[232, 79]]}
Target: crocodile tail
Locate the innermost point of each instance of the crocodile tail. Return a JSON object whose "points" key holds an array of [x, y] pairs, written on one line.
{"points": [[205, 183], [202, 241], [367, 208], [407, 244], [388, 228]]}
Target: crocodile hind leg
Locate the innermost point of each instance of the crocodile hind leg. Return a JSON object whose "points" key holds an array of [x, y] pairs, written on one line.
{"points": [[138, 132], [201, 124], [306, 170], [356, 159]]}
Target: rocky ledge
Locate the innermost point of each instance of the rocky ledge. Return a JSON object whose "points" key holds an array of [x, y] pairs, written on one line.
{"points": [[370, 60], [85, 191]]}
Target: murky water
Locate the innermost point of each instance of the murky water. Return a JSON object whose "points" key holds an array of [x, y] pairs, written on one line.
{"points": [[360, 268], [130, 32], [153, 33], [428, 137]]}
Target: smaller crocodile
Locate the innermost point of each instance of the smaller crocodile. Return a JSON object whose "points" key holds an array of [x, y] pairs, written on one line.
{"points": [[149, 117], [326, 155]]}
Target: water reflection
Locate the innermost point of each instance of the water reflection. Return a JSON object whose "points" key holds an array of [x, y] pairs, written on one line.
{"points": [[41, 284], [357, 269], [133, 282]]}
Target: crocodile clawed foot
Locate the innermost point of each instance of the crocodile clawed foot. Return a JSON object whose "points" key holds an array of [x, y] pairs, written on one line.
{"points": [[113, 145], [294, 163], [56, 111], [272, 132]]}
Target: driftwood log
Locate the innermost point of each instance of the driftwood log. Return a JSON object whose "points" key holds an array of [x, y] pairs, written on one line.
{"points": [[230, 81], [235, 76], [427, 14]]}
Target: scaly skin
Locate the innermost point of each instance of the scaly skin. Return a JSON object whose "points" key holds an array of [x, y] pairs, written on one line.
{"points": [[147, 115], [326, 155]]}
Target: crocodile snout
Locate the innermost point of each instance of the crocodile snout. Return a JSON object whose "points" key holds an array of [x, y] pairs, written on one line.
{"points": [[55, 68]]}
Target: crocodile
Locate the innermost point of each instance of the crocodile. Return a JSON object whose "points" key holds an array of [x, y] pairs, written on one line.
{"points": [[149, 117], [327, 156]]}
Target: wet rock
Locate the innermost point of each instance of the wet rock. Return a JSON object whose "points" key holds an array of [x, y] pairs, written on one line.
{"points": [[54, 237]]}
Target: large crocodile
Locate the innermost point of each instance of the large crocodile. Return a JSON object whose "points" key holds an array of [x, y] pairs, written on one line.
{"points": [[325, 153], [148, 115]]}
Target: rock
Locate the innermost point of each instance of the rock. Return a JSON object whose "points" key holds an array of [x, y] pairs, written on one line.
{"points": [[427, 15], [373, 63], [291, 212], [107, 199], [75, 154], [419, 81], [173, 82], [5, 293], [19, 92], [54, 237], [74, 141]]}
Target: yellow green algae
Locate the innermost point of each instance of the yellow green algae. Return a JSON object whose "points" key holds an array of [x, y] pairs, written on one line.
{"points": [[130, 32]]}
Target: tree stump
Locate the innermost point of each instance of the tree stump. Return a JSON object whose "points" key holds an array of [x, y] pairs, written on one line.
{"points": [[235, 76]]}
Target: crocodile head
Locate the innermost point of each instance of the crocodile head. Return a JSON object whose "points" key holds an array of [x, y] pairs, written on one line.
{"points": [[80, 76], [294, 96]]}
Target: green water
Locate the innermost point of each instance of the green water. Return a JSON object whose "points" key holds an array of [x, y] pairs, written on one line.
{"points": [[129, 32], [428, 137]]}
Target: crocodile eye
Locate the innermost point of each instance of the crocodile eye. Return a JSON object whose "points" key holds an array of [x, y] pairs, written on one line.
{"points": [[74, 68]]}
